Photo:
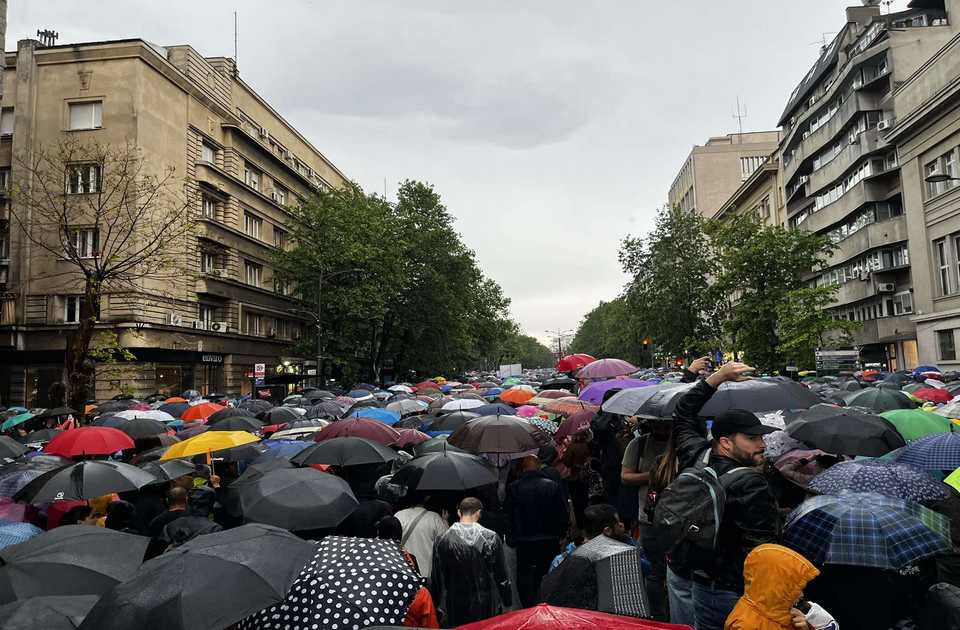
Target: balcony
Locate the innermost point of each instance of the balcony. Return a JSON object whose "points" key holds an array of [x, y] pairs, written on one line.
{"points": [[867, 143], [870, 237], [865, 191], [885, 330]]}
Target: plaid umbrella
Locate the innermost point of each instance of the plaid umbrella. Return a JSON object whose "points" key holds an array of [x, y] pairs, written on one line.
{"points": [[866, 529], [891, 479], [16, 533], [934, 452]]}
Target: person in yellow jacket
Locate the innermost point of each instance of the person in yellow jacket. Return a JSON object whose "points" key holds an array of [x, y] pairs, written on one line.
{"points": [[774, 579]]}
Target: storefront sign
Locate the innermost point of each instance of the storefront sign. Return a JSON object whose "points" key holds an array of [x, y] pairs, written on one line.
{"points": [[259, 370], [263, 393], [211, 358]]}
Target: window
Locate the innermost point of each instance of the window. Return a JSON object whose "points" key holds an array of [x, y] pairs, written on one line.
{"points": [[4, 239], [83, 178], [207, 314], [946, 164], [252, 225], [208, 262], [209, 206], [83, 242], [764, 208], [6, 121], [4, 180], [903, 303], [252, 272], [282, 328], [208, 153], [71, 309], [280, 287], [251, 177], [948, 349], [253, 324], [943, 265], [748, 165], [280, 194], [86, 115], [279, 238]]}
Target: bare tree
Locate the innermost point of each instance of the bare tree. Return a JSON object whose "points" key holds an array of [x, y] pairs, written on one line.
{"points": [[110, 220]]}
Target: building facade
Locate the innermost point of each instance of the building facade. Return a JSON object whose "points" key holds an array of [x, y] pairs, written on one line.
{"points": [[714, 171], [760, 194], [242, 164], [842, 176]]}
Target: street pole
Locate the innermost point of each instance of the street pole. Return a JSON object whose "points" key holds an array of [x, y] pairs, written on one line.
{"points": [[320, 379]]}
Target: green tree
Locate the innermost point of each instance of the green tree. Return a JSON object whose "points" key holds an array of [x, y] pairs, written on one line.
{"points": [[611, 331], [805, 324]]}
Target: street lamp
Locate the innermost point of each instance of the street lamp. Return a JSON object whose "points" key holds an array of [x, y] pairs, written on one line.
{"points": [[939, 178], [320, 279]]}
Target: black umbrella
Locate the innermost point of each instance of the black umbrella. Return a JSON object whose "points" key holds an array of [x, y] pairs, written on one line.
{"points": [[297, 499], [851, 386], [230, 412], [46, 613], [56, 412], [237, 423], [253, 472], [324, 410], [493, 409], [413, 422], [761, 394], [278, 415], [140, 428], [889, 385], [41, 436], [212, 581], [436, 444], [319, 394], [445, 471], [559, 383], [306, 423], [345, 451], [362, 404], [10, 448], [168, 470], [880, 400], [452, 421], [84, 480], [255, 405], [845, 431], [150, 455], [114, 405], [174, 409], [499, 434], [69, 560]]}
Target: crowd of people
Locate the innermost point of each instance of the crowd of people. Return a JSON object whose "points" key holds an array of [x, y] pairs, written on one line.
{"points": [[684, 515]]}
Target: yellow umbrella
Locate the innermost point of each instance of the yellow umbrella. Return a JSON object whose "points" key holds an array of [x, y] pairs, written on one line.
{"points": [[953, 479], [209, 442]]}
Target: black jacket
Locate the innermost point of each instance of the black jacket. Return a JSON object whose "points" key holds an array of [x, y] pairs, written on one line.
{"points": [[750, 517], [537, 509]]}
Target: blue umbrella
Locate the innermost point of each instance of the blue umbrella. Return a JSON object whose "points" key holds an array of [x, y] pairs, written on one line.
{"points": [[109, 421], [174, 409], [493, 392], [385, 416], [494, 409], [934, 452], [16, 533], [866, 529], [18, 419], [284, 448], [920, 369], [891, 479], [360, 393]]}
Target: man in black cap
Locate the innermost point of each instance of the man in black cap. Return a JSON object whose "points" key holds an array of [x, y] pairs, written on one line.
{"points": [[750, 514]]}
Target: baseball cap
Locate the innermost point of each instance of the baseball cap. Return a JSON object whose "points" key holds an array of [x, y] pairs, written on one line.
{"points": [[739, 421]]}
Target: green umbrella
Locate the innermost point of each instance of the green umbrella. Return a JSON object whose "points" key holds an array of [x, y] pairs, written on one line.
{"points": [[15, 420], [914, 424]]}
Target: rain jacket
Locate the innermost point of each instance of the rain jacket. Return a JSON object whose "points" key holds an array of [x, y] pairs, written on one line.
{"points": [[941, 608], [469, 577], [536, 508], [750, 516], [774, 579]]}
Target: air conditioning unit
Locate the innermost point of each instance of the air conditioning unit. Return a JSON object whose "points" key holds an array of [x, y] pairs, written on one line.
{"points": [[199, 324], [176, 319], [803, 179], [220, 327], [884, 124], [886, 287]]}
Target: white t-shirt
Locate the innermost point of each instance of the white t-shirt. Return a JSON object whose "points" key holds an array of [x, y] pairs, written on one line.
{"points": [[420, 543]]}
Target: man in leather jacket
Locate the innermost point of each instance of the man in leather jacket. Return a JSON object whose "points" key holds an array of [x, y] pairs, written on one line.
{"points": [[750, 516]]}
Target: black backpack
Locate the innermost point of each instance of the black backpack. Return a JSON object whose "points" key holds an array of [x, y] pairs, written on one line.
{"points": [[689, 511]]}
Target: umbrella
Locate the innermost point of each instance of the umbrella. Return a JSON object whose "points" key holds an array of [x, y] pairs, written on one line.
{"points": [[546, 617], [140, 428], [84, 480], [606, 368], [114, 422], [445, 470], [562, 383], [230, 412], [573, 424], [152, 414], [114, 405], [629, 402], [17, 475], [527, 411], [326, 410], [573, 362], [900, 378], [934, 452], [89, 441], [283, 448], [318, 394], [845, 431], [299, 433], [10, 448], [349, 583], [436, 444], [950, 410], [16, 420], [932, 382], [209, 442], [515, 396], [389, 418], [278, 415], [42, 436], [499, 434], [594, 392], [879, 399], [567, 406], [48, 613], [914, 424], [297, 499], [212, 581], [400, 388], [866, 529], [850, 386], [16, 533], [359, 427], [174, 409], [69, 560], [761, 394], [493, 409], [891, 479], [406, 407], [201, 411], [345, 451], [169, 470], [463, 404], [255, 405], [360, 394], [924, 369], [934, 395], [554, 393], [410, 437], [237, 423]]}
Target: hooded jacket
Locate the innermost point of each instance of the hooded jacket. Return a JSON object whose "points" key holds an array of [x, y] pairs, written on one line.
{"points": [[774, 578]]}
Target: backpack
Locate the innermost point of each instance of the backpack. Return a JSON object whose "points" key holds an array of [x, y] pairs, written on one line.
{"points": [[689, 511]]}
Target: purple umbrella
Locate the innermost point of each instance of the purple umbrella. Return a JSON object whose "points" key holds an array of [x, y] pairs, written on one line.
{"points": [[606, 368], [594, 392]]}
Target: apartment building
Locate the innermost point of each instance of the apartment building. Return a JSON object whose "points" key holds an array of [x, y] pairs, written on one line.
{"points": [[242, 164], [842, 175], [760, 194], [714, 171]]}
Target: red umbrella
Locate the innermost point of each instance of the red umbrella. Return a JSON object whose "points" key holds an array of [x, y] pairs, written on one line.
{"points": [[932, 394], [201, 411], [89, 441], [544, 617], [575, 423], [359, 427], [409, 437], [607, 368], [573, 362], [426, 385]]}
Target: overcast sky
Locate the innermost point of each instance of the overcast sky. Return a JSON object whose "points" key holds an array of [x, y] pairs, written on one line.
{"points": [[552, 129]]}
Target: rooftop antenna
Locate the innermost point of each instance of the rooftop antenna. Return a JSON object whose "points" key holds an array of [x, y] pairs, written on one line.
{"points": [[740, 114], [235, 42], [48, 37], [823, 40]]}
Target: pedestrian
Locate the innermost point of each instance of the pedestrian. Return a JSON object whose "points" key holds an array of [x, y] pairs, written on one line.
{"points": [[122, 517], [537, 515], [750, 516], [421, 613], [197, 520], [421, 529], [176, 507], [469, 576]]}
